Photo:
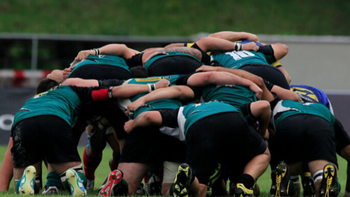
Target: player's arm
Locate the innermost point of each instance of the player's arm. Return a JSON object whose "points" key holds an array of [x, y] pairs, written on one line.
{"points": [[120, 50], [235, 36], [262, 111], [143, 120], [282, 93], [182, 93], [216, 44], [222, 78], [174, 45], [279, 51], [285, 94], [249, 80], [126, 91], [80, 82]]}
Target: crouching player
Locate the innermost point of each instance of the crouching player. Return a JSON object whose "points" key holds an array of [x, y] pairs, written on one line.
{"points": [[42, 131], [210, 132]]}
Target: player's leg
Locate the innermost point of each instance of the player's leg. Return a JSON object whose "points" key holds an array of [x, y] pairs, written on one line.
{"points": [[170, 170], [92, 154], [254, 157], [6, 172], [27, 152], [62, 155], [321, 156], [140, 150]]}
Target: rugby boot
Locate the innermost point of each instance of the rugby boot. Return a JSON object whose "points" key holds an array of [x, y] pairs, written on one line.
{"points": [[112, 182], [183, 179], [26, 186], [308, 185], [329, 183], [280, 183], [241, 190], [51, 190], [212, 179], [154, 186], [76, 185]]}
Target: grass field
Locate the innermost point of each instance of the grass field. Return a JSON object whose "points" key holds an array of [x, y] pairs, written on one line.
{"points": [[174, 17], [103, 170]]}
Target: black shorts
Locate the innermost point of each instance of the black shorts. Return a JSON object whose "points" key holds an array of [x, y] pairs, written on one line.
{"points": [[267, 72], [304, 138], [147, 145], [98, 72], [221, 138], [43, 137], [173, 65]]}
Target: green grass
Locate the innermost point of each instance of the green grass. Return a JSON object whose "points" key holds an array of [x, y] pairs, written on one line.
{"points": [[103, 170], [175, 17]]}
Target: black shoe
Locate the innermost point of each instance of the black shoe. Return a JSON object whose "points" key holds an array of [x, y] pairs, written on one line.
{"points": [[154, 186], [329, 183], [183, 180], [308, 185], [141, 191], [280, 183], [241, 191]]}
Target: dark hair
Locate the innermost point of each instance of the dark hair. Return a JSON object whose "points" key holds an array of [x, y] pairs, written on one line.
{"points": [[45, 84], [138, 72]]}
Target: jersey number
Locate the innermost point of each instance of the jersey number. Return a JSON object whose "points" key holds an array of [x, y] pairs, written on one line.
{"points": [[237, 55]]}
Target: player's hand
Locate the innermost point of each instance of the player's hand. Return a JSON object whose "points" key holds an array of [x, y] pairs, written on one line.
{"points": [[132, 107], [129, 126], [162, 84], [207, 68], [258, 91], [66, 72], [84, 54], [251, 46]]}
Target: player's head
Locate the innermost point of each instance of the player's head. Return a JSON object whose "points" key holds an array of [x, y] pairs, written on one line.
{"points": [[56, 75], [138, 72], [45, 84]]}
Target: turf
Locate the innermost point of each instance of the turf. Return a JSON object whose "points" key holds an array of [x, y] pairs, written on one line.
{"points": [[103, 170], [174, 17]]}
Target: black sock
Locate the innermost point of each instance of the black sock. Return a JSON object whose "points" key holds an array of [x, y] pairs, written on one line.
{"points": [[247, 180]]}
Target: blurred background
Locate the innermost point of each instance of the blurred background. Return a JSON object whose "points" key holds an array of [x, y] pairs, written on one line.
{"points": [[39, 35]]}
